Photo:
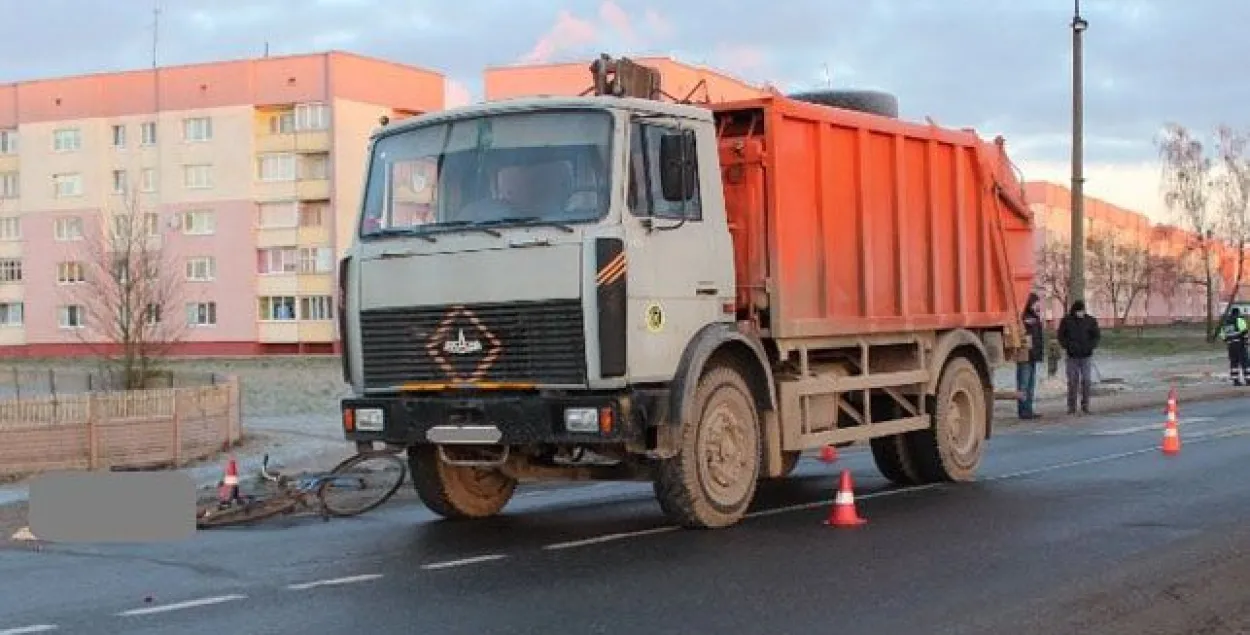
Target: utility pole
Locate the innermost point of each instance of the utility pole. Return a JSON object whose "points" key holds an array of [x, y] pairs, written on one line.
{"points": [[1076, 285], [156, 27]]}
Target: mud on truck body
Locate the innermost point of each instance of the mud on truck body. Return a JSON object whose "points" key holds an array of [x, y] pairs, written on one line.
{"points": [[615, 287]]}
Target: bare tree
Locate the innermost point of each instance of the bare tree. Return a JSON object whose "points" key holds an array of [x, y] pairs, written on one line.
{"points": [[1053, 270], [130, 286], [1162, 280], [1233, 195], [1119, 269], [1187, 183]]}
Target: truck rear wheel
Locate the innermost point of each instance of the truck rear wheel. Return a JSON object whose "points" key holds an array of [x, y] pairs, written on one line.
{"points": [[711, 481], [950, 449], [454, 491], [892, 454]]}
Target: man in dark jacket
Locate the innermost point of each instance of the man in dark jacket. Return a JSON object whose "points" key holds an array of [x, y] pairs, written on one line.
{"points": [[1026, 371], [1235, 335], [1079, 336]]}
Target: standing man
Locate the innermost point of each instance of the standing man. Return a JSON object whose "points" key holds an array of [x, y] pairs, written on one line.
{"points": [[1079, 336], [1235, 336], [1026, 371]]}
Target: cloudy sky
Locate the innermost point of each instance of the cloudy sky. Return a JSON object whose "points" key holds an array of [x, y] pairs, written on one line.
{"points": [[1001, 66]]}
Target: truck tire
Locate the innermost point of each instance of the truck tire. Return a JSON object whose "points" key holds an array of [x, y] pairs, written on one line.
{"points": [[789, 462], [950, 449], [705, 494], [893, 454], [454, 491], [870, 101]]}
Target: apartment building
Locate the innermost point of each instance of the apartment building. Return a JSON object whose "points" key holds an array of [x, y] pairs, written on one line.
{"points": [[246, 174]]}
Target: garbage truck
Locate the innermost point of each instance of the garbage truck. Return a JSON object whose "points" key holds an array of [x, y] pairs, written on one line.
{"points": [[625, 286]]}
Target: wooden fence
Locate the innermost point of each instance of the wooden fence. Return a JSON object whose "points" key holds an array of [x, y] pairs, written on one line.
{"points": [[105, 430]]}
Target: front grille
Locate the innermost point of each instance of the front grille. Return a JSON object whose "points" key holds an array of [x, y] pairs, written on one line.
{"points": [[530, 342]]}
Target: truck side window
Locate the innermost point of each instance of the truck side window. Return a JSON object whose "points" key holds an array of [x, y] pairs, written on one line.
{"points": [[646, 198]]}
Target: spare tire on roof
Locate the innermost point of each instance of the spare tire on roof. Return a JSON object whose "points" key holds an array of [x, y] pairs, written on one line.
{"points": [[870, 101]]}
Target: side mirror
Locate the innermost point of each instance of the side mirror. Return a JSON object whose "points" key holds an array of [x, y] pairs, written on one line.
{"points": [[678, 177]]}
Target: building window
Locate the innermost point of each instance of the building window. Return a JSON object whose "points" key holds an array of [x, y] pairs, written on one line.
{"points": [[318, 308], [123, 229], [11, 313], [278, 215], [8, 141], [10, 228], [312, 117], [316, 260], [201, 269], [282, 123], [71, 316], [199, 222], [147, 179], [119, 136], [315, 167], [277, 308], [147, 133], [277, 260], [67, 228], [70, 273], [312, 215], [67, 140], [10, 185], [202, 314], [152, 314], [197, 129], [67, 185], [10, 270], [276, 167], [198, 177], [119, 182]]}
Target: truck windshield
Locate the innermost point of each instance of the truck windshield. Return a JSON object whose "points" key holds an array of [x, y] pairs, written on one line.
{"points": [[548, 166]]}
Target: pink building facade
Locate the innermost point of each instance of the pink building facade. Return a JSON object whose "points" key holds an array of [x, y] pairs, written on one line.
{"points": [[246, 174]]}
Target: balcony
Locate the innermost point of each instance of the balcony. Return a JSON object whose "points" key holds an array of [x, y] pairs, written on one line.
{"points": [[298, 142], [320, 332], [279, 332], [10, 249], [12, 292], [303, 190], [277, 284], [277, 237], [9, 163], [315, 284], [12, 335], [313, 190]]}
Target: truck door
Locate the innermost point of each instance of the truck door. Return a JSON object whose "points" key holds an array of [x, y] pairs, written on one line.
{"points": [[680, 262]]}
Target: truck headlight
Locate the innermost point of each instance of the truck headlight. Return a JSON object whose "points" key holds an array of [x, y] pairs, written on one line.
{"points": [[369, 419], [581, 420]]}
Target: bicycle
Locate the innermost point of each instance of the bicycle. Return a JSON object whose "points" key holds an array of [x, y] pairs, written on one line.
{"points": [[304, 493]]}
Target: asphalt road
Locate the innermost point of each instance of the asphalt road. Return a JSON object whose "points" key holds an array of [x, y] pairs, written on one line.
{"points": [[1082, 528]]}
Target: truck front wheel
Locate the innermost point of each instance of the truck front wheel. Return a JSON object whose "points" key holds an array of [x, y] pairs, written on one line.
{"points": [[454, 491], [950, 449], [711, 481]]}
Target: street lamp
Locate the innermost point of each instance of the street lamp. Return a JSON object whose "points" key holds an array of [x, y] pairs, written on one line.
{"points": [[1076, 285]]}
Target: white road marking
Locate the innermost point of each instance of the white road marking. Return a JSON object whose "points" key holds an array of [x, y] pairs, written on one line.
{"points": [[334, 581], [462, 562], [1152, 426], [34, 628], [165, 608], [610, 537]]}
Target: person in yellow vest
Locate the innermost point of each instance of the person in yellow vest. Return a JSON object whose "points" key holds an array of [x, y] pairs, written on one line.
{"points": [[1235, 335]]}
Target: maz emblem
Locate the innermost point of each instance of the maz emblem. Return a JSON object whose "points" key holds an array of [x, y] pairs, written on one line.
{"points": [[461, 346]]}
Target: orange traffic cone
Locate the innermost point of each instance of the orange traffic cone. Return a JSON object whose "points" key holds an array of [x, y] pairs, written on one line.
{"points": [[1171, 434], [828, 454], [229, 488], [844, 513]]}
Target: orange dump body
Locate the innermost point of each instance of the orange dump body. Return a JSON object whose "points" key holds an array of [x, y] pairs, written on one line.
{"points": [[847, 223]]}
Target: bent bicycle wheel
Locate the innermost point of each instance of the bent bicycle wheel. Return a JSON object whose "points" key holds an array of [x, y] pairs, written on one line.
{"points": [[210, 516], [361, 483]]}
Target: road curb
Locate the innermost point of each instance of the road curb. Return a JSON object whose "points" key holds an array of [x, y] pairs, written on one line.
{"points": [[1055, 409]]}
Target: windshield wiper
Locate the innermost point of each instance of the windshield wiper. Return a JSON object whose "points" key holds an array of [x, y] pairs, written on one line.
{"points": [[404, 231], [528, 220]]}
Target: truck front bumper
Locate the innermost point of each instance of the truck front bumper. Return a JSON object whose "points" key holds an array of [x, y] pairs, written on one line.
{"points": [[513, 419]]}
